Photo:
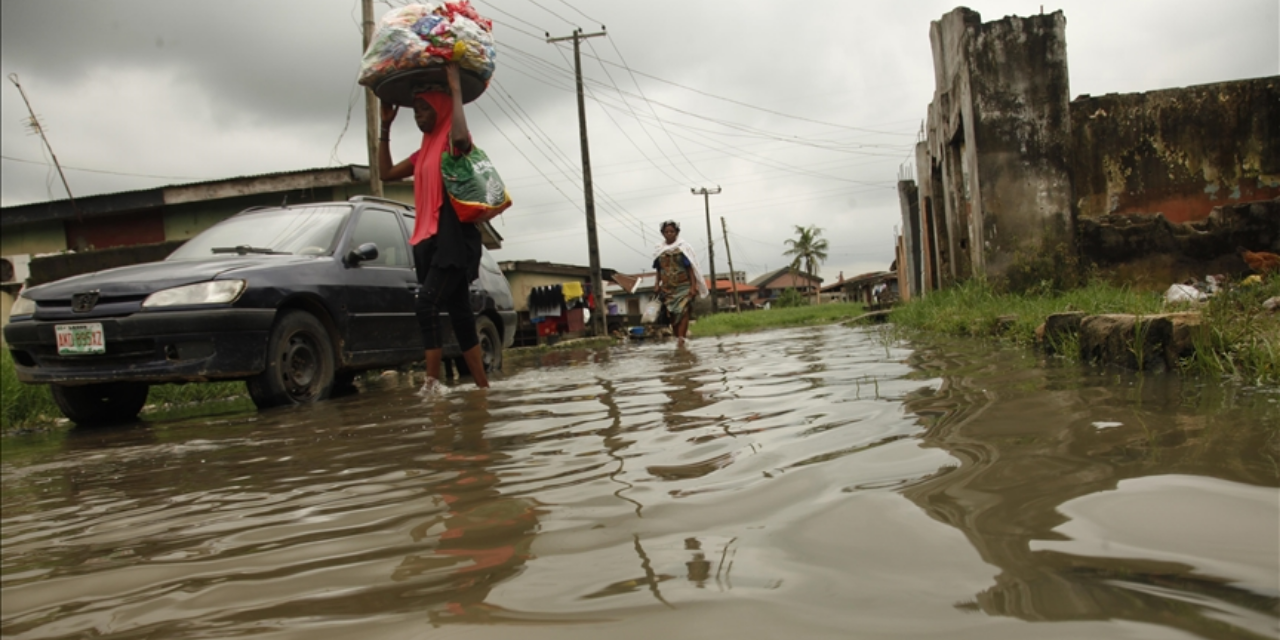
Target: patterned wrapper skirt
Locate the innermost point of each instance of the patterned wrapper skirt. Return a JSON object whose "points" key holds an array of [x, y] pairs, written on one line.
{"points": [[675, 278]]}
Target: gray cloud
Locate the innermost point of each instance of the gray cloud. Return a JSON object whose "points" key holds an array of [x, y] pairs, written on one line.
{"points": [[772, 101]]}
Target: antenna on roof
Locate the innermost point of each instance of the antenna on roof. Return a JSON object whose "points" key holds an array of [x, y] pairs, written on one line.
{"points": [[35, 126]]}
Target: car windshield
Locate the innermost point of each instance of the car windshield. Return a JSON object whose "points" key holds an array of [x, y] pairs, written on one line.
{"points": [[295, 230]]}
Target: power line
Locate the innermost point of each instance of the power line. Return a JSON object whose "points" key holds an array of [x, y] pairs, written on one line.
{"points": [[642, 128], [593, 20], [824, 144], [114, 173], [762, 109], [613, 205], [570, 22], [661, 124]]}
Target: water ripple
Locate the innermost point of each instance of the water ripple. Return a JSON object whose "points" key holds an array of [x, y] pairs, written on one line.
{"points": [[582, 486]]}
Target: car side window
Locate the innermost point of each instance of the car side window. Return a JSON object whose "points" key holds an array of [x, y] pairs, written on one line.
{"points": [[408, 220], [381, 227]]}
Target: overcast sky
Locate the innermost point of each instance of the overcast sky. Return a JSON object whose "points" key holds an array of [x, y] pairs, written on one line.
{"points": [[801, 112]]}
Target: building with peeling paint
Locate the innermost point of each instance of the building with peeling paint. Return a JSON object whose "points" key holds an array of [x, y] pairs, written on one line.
{"points": [[1008, 166]]}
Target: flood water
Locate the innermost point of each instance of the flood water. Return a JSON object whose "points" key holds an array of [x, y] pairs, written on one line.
{"points": [[808, 483]]}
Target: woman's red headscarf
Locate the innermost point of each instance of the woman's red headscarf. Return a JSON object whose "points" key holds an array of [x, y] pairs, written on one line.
{"points": [[428, 193]]}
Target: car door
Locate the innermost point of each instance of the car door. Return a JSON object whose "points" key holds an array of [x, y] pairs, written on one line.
{"points": [[380, 293]]}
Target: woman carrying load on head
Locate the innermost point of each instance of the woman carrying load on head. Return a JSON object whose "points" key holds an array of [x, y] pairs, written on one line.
{"points": [[678, 277], [446, 251]]}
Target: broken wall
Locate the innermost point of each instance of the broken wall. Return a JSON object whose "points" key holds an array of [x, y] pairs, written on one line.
{"points": [[1176, 152], [998, 137]]}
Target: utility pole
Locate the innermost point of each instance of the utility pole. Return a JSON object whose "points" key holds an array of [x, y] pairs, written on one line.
{"points": [[733, 278], [598, 319], [35, 125], [711, 245], [371, 114]]}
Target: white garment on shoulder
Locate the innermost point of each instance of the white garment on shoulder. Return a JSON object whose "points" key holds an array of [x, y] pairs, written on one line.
{"points": [[687, 249]]}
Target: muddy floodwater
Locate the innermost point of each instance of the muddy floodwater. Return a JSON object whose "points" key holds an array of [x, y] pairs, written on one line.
{"points": [[810, 483]]}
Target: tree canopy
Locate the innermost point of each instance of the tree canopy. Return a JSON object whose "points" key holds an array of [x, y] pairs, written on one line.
{"points": [[807, 249]]}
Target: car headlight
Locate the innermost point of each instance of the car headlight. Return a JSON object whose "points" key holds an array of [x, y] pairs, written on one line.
{"points": [[22, 306], [213, 292]]}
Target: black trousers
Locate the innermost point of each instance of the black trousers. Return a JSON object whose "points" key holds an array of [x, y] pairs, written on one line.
{"points": [[443, 289]]}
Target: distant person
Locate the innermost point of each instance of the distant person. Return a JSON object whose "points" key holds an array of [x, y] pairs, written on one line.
{"points": [[678, 274], [446, 251]]}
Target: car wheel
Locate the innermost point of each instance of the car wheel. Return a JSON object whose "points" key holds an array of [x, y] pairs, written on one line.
{"points": [[101, 404], [299, 363], [490, 344]]}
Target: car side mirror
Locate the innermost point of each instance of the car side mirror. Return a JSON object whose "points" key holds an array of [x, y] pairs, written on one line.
{"points": [[362, 253]]}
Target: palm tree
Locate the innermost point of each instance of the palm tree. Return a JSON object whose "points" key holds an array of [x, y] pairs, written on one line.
{"points": [[808, 250]]}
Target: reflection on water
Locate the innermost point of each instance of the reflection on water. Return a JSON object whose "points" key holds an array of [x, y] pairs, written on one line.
{"points": [[1108, 495], [819, 482]]}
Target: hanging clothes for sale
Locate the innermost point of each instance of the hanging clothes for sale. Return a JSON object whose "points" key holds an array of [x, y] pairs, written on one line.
{"points": [[546, 301]]}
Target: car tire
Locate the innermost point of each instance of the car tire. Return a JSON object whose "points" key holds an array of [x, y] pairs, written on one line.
{"points": [[101, 404], [300, 365], [490, 344]]}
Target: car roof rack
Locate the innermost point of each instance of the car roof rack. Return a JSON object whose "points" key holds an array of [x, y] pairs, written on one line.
{"points": [[363, 198]]}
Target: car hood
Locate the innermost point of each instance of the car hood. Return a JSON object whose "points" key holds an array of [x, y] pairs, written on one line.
{"points": [[143, 279]]}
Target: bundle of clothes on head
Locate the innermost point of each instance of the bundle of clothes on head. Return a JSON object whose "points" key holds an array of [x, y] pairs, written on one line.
{"points": [[552, 301], [420, 36]]}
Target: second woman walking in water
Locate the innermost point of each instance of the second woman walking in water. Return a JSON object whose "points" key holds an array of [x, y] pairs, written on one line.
{"points": [[679, 278]]}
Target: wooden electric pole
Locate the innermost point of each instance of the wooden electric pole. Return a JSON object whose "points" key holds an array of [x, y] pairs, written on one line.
{"points": [[371, 116], [733, 277], [711, 244], [599, 322]]}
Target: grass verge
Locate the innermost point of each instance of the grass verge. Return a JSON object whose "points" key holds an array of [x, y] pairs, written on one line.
{"points": [[31, 406], [1241, 339], [727, 323]]}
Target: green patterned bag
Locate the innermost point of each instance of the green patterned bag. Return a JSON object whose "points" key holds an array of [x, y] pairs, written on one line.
{"points": [[473, 185]]}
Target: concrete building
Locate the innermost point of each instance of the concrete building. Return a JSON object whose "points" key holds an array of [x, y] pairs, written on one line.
{"points": [[771, 285], [1010, 168], [525, 275], [994, 181]]}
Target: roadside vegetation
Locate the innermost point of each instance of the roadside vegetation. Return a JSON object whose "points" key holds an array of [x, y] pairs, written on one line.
{"points": [[793, 316], [1241, 339], [31, 406]]}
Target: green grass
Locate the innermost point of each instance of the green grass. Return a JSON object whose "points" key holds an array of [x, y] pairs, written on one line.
{"points": [[975, 309], [727, 323], [23, 406], [31, 406], [1241, 340]]}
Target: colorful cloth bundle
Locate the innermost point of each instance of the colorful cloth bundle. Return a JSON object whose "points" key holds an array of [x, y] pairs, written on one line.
{"points": [[421, 36]]}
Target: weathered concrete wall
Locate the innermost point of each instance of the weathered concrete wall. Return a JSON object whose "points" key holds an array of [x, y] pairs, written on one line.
{"points": [[998, 137], [55, 267], [910, 258], [41, 237], [1011, 176], [1022, 135], [1147, 251], [1177, 152], [933, 244]]}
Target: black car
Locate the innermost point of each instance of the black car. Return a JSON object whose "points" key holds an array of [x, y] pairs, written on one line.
{"points": [[296, 300]]}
